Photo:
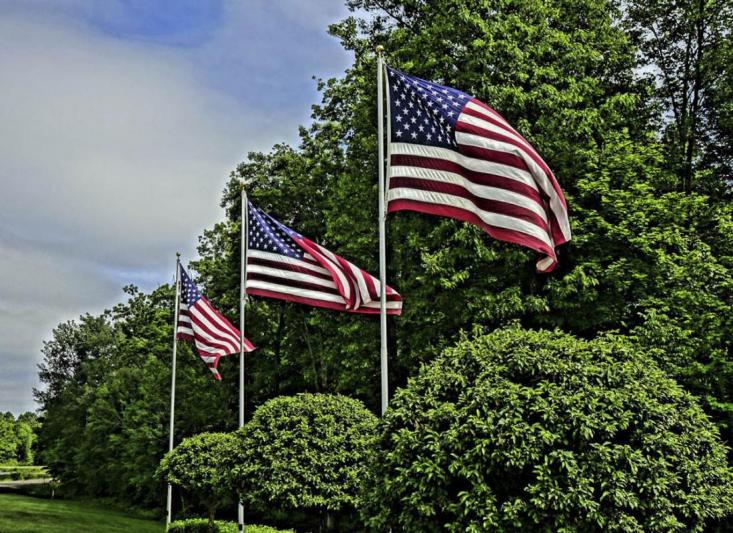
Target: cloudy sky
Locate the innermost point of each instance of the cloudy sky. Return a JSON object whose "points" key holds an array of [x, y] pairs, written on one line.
{"points": [[120, 121]]}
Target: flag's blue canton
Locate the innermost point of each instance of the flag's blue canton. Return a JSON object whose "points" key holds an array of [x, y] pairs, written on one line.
{"points": [[269, 235], [189, 292], [423, 112]]}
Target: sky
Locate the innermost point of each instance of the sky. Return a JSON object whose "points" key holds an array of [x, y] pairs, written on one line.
{"points": [[120, 121]]}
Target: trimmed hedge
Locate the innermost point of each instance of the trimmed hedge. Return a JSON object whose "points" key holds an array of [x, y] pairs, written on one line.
{"points": [[201, 466], [532, 430], [305, 453], [201, 525]]}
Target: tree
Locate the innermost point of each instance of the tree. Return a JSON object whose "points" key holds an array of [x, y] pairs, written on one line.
{"points": [[687, 46], [305, 453], [525, 430], [8, 438], [201, 466], [107, 394]]}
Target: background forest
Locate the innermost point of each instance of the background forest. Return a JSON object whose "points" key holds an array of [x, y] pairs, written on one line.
{"points": [[631, 105]]}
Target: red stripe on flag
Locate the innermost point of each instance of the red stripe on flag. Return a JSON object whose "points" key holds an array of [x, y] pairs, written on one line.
{"points": [[479, 178], [318, 303], [466, 216], [485, 204]]}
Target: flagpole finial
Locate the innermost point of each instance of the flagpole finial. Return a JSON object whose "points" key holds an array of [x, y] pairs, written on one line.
{"points": [[178, 255], [379, 49]]}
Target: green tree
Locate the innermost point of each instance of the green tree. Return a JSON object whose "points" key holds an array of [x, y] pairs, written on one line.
{"points": [[8, 438], [201, 466], [305, 453], [525, 430], [562, 73], [644, 260], [107, 394], [687, 47]]}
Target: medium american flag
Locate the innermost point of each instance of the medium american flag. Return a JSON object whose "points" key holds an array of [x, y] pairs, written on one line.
{"points": [[453, 156], [283, 264], [212, 334]]}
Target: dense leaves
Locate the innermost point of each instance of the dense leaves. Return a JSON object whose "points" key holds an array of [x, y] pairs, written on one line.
{"points": [[201, 465], [107, 397], [305, 453], [17, 438], [522, 430], [201, 525]]}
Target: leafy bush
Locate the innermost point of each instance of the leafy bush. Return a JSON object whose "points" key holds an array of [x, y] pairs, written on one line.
{"points": [[305, 452], [200, 525], [201, 466], [526, 430]]}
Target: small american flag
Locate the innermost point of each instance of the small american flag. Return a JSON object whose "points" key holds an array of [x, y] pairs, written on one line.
{"points": [[212, 334], [283, 264], [453, 156]]}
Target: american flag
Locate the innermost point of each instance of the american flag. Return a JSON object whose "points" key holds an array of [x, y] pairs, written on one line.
{"points": [[212, 334], [452, 155], [283, 264]]}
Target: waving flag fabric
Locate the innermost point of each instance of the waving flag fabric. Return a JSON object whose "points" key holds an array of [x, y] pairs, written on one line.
{"points": [[212, 334], [452, 155], [283, 264]]}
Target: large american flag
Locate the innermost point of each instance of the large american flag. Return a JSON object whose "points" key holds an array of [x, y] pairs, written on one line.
{"points": [[212, 334], [452, 155], [283, 264]]}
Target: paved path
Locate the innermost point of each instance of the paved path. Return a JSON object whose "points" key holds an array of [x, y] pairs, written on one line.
{"points": [[23, 482]]}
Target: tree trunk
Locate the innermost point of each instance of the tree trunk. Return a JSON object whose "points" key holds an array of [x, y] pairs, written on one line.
{"points": [[212, 512], [697, 88], [307, 338]]}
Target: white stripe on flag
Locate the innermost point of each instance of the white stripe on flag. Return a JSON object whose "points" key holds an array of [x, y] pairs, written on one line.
{"points": [[482, 191], [492, 219], [295, 291], [469, 163]]}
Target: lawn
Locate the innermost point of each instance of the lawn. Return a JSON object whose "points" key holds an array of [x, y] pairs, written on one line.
{"points": [[25, 514]]}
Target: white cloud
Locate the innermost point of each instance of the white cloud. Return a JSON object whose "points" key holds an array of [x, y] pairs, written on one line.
{"points": [[113, 155]]}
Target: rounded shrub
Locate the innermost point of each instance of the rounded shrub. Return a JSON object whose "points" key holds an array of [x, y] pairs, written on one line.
{"points": [[305, 453], [533, 430], [201, 466]]}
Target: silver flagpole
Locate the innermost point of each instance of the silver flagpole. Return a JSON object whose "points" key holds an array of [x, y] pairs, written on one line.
{"points": [[382, 230], [242, 303], [173, 379]]}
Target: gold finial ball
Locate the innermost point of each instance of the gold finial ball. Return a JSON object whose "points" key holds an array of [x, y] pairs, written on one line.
{"points": [[380, 48]]}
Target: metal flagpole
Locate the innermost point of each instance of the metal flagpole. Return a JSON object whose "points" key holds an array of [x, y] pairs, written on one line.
{"points": [[382, 231], [242, 303], [173, 379]]}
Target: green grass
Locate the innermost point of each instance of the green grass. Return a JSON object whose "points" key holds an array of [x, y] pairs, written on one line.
{"points": [[24, 514]]}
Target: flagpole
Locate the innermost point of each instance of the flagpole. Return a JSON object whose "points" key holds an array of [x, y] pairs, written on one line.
{"points": [[169, 500], [382, 231], [242, 303]]}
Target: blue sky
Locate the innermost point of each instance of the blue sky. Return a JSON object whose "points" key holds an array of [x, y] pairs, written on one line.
{"points": [[119, 124]]}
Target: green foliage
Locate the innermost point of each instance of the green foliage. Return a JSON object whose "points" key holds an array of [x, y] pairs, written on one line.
{"points": [[689, 43], [107, 394], [532, 430], [646, 259], [17, 438], [304, 452], [200, 525], [201, 466]]}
